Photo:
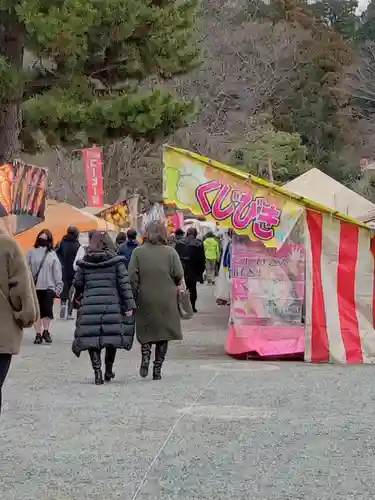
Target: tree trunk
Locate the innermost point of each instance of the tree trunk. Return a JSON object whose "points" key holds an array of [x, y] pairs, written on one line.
{"points": [[11, 48]]}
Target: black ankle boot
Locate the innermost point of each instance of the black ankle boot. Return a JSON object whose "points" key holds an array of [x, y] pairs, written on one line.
{"points": [[38, 339], [97, 366], [160, 353], [110, 354], [145, 362], [46, 336]]}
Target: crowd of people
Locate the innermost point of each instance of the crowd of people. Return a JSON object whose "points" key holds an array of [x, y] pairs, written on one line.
{"points": [[119, 289]]}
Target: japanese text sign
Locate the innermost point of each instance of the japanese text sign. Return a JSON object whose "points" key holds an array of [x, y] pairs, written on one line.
{"points": [[263, 215], [93, 163]]}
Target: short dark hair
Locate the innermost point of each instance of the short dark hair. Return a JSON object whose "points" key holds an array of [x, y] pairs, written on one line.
{"points": [[120, 238], [179, 232], [192, 232], [73, 231], [49, 239], [131, 234]]}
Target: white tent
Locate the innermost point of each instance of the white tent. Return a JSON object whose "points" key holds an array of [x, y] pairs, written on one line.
{"points": [[321, 188]]}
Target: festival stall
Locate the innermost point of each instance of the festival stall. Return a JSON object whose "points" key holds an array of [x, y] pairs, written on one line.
{"points": [[302, 275], [58, 216]]}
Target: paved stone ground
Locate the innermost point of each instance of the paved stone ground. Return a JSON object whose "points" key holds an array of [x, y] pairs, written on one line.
{"points": [[212, 429]]}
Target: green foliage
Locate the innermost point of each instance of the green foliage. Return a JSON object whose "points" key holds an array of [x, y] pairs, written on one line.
{"points": [[92, 57], [314, 104], [64, 117], [366, 30], [281, 150], [340, 15], [10, 80]]}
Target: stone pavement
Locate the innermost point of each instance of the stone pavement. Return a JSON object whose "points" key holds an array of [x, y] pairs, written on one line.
{"points": [[213, 429]]}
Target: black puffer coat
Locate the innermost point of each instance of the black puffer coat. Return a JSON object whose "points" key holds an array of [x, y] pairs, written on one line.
{"points": [[103, 289]]}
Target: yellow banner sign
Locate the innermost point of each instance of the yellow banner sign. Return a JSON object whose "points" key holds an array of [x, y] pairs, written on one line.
{"points": [[117, 214], [225, 195]]}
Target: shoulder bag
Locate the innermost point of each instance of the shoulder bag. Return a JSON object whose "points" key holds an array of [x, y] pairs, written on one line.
{"points": [[183, 301], [40, 267]]}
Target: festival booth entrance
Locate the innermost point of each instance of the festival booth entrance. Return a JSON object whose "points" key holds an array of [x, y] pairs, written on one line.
{"points": [[302, 275]]}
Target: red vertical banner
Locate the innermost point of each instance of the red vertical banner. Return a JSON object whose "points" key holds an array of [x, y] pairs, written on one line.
{"points": [[93, 163]]}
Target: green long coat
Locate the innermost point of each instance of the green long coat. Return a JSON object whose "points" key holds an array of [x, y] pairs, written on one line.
{"points": [[155, 271]]}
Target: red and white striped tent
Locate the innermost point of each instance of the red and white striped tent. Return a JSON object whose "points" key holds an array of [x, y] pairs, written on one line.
{"points": [[339, 282], [339, 291]]}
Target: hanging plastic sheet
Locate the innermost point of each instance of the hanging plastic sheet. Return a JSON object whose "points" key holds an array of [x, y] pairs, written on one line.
{"points": [[267, 297]]}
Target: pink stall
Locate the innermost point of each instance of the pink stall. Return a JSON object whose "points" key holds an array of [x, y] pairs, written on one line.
{"points": [[301, 274]]}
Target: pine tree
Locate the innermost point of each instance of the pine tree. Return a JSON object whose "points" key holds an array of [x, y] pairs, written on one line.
{"points": [[314, 108], [340, 15], [366, 31], [280, 150], [94, 69]]}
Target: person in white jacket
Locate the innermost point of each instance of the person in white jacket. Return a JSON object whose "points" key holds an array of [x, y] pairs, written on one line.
{"points": [[82, 251]]}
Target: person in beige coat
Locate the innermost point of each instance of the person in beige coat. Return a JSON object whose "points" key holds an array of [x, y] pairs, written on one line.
{"points": [[18, 302]]}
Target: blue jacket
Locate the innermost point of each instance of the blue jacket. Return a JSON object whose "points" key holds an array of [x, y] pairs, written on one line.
{"points": [[227, 256], [126, 249]]}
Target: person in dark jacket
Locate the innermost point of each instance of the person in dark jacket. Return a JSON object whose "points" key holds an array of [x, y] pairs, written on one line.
{"points": [[120, 239], [66, 252], [127, 248], [191, 253], [104, 299], [179, 234]]}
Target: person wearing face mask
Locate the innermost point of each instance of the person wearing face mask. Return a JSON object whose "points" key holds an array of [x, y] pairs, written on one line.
{"points": [[47, 275]]}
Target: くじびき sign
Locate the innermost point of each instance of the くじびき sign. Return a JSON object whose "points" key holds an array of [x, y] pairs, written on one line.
{"points": [[243, 210], [192, 182]]}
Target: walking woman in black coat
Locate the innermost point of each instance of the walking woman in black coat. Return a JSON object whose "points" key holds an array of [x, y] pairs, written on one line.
{"points": [[104, 299]]}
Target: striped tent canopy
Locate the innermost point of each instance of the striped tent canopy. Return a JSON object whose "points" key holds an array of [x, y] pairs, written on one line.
{"points": [[339, 282], [339, 291]]}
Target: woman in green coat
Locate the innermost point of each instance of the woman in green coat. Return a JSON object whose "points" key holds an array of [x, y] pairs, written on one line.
{"points": [[155, 272]]}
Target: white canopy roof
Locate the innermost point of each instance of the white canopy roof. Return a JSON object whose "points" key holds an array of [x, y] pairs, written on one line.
{"points": [[321, 188]]}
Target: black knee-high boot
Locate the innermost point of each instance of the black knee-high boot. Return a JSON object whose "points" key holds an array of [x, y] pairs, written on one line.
{"points": [[145, 361], [110, 354], [97, 365], [160, 353]]}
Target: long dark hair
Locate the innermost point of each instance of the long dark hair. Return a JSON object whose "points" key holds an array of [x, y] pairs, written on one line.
{"points": [[101, 242], [49, 239]]}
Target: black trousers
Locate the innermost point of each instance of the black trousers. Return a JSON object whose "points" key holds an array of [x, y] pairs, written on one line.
{"points": [[192, 287], [5, 360]]}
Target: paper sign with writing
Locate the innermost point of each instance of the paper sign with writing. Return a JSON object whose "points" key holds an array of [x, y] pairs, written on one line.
{"points": [[267, 284]]}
